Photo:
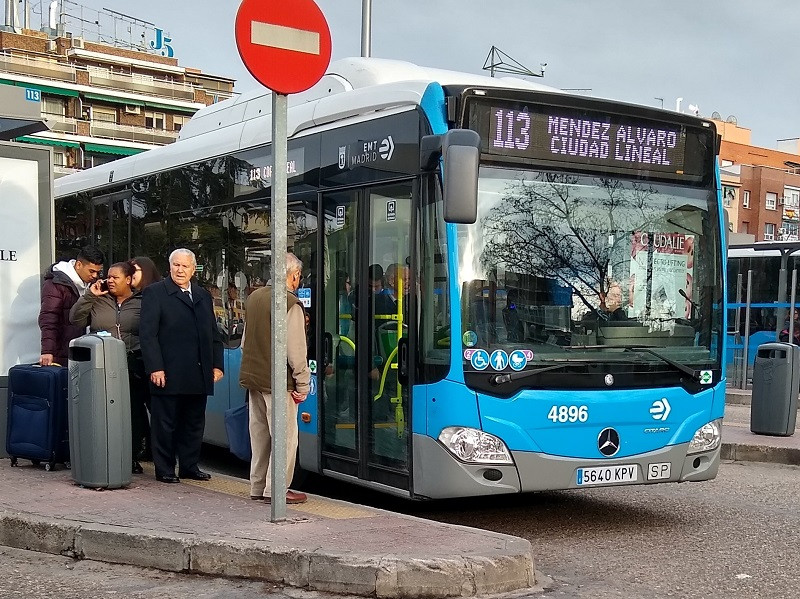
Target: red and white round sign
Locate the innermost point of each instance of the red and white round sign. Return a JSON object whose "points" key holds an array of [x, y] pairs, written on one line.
{"points": [[285, 44]]}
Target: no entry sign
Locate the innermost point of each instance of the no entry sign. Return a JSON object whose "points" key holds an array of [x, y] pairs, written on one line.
{"points": [[285, 44]]}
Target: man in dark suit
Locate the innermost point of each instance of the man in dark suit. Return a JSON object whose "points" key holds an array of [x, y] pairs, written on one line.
{"points": [[182, 351]]}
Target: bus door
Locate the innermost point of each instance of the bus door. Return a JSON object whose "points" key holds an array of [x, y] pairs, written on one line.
{"points": [[366, 316], [110, 231]]}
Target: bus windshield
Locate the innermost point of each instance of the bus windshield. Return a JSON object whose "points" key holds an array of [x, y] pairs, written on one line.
{"points": [[568, 266]]}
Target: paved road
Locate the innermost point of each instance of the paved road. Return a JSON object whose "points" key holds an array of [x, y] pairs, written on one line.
{"points": [[735, 537], [31, 575]]}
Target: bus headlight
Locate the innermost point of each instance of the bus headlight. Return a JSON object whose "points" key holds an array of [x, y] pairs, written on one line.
{"points": [[474, 446], [707, 437]]}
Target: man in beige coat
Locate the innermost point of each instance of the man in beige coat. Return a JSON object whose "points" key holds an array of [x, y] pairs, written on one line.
{"points": [[256, 374]]}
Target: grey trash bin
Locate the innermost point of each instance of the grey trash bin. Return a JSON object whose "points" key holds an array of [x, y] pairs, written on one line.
{"points": [[776, 381], [99, 412]]}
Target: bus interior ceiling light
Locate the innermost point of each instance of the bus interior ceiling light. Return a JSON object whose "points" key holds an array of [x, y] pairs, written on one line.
{"points": [[707, 437], [474, 446]]}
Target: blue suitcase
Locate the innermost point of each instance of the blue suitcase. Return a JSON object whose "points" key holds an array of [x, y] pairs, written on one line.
{"points": [[38, 422]]}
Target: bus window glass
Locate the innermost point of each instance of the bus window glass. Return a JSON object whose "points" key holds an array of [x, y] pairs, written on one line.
{"points": [[434, 291], [558, 263], [73, 225]]}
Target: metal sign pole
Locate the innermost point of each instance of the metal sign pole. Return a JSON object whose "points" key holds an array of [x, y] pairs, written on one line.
{"points": [[746, 360], [278, 247], [791, 305], [366, 28]]}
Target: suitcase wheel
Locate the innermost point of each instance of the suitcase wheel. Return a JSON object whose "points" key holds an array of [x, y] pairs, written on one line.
{"points": [[49, 466], [68, 465], [13, 461]]}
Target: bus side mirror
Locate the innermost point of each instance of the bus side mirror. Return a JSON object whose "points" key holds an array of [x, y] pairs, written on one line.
{"points": [[460, 153]]}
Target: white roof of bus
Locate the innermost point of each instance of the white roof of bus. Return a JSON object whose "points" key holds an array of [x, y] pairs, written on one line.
{"points": [[371, 84]]}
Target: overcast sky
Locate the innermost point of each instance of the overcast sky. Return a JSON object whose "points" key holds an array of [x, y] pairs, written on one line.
{"points": [[735, 57]]}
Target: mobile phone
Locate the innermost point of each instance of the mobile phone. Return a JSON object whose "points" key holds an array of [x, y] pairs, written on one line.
{"points": [[104, 285]]}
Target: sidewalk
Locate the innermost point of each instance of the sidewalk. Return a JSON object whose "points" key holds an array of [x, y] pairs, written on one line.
{"points": [[214, 528], [739, 444], [325, 545]]}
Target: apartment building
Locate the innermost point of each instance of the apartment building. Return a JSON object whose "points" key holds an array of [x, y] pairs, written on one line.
{"points": [[760, 186], [101, 100]]}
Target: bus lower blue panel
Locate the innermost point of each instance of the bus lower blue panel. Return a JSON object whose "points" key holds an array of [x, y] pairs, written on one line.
{"points": [[568, 424], [310, 407], [448, 404]]}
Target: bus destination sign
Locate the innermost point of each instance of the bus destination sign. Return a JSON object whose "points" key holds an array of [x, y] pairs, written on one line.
{"points": [[576, 137]]}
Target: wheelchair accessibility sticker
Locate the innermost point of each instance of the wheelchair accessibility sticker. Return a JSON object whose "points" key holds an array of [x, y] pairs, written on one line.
{"points": [[479, 359]]}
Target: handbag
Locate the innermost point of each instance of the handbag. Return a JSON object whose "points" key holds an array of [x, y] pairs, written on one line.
{"points": [[237, 426]]}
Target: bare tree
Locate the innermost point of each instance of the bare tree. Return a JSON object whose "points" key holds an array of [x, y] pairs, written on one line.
{"points": [[550, 227]]}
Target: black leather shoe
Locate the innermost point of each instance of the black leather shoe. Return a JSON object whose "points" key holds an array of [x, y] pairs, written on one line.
{"points": [[168, 479], [198, 475], [136, 468]]}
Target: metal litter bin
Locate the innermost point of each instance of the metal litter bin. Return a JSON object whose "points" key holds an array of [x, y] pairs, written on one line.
{"points": [[776, 381], [99, 412]]}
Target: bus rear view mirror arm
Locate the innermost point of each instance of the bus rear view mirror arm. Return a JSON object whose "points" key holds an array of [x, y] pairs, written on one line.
{"points": [[460, 153]]}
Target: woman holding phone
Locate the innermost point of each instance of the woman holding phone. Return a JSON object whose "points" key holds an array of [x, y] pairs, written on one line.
{"points": [[112, 305]]}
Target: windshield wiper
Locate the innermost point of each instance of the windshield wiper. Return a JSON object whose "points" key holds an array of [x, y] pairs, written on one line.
{"points": [[500, 379], [677, 365]]}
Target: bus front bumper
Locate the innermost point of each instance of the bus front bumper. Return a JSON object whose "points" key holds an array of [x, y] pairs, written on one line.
{"points": [[438, 474]]}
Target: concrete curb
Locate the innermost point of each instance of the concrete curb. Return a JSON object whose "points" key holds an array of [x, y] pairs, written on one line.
{"points": [[738, 397], [388, 576], [742, 452]]}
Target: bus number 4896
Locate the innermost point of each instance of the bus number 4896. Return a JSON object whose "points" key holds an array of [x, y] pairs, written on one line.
{"points": [[568, 414]]}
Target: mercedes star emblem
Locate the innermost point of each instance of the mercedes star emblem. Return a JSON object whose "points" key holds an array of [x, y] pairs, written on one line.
{"points": [[608, 442]]}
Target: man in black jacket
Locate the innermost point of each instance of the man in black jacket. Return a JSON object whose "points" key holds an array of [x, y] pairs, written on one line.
{"points": [[182, 352]]}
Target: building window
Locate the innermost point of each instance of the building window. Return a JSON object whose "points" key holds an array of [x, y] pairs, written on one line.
{"points": [[745, 227], [769, 232], [92, 160], [179, 121], [104, 115], [59, 159], [728, 196], [788, 231], [745, 199], [53, 106], [154, 120], [791, 198], [771, 202]]}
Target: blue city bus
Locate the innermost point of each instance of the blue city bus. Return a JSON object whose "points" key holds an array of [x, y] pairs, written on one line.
{"points": [[509, 288]]}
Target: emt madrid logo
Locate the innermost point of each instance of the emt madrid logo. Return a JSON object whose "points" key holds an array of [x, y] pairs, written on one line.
{"points": [[366, 152]]}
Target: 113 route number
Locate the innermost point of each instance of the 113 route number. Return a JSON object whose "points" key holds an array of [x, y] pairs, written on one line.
{"points": [[568, 414]]}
